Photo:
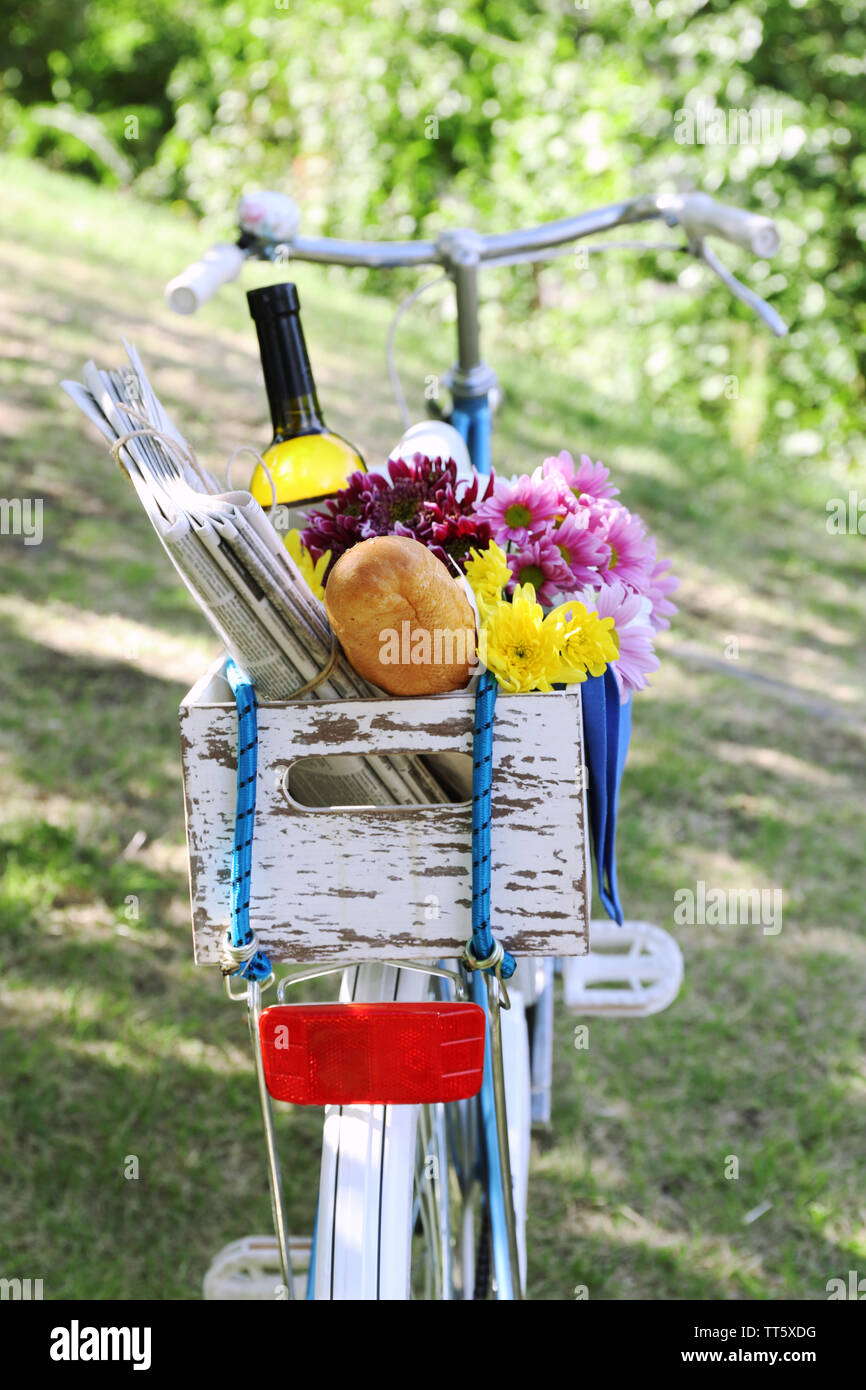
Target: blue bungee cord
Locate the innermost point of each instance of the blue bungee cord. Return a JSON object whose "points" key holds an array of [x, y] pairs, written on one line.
{"points": [[482, 951], [241, 954]]}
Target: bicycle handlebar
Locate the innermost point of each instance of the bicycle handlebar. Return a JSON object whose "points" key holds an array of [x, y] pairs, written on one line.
{"points": [[269, 222], [699, 215], [217, 267]]}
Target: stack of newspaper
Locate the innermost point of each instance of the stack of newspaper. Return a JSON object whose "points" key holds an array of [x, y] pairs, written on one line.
{"points": [[238, 570]]}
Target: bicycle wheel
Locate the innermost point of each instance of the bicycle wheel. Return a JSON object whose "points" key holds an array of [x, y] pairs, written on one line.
{"points": [[400, 1194]]}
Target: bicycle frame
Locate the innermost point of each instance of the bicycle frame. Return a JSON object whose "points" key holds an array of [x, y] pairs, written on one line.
{"points": [[462, 253]]}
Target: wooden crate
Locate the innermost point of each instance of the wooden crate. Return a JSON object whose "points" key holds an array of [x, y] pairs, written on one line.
{"points": [[389, 882]]}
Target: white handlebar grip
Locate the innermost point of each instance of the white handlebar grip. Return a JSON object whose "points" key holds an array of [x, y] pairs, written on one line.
{"points": [[700, 215], [189, 290]]}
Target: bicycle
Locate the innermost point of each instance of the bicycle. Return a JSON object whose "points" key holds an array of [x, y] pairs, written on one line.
{"points": [[431, 1200]]}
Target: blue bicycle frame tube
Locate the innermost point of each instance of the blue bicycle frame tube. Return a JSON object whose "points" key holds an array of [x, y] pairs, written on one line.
{"points": [[472, 418]]}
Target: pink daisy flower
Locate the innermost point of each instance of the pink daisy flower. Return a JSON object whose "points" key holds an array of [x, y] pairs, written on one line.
{"points": [[566, 500], [584, 552], [661, 584], [519, 508], [632, 551], [631, 618], [589, 479], [539, 562]]}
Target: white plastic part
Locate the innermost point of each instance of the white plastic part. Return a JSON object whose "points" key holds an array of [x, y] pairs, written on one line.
{"points": [[436, 439], [189, 290], [249, 1269], [268, 215], [631, 971], [700, 215]]}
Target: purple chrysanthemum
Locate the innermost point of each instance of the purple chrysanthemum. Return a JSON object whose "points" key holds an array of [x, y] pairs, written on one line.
{"points": [[519, 508], [632, 551], [539, 562], [583, 551], [456, 535], [421, 497], [631, 618], [586, 480], [661, 584]]}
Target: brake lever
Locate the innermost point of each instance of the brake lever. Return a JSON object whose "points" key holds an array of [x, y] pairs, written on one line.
{"points": [[740, 291], [696, 247]]}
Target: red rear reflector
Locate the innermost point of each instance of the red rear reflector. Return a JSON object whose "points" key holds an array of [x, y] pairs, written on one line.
{"points": [[377, 1054]]}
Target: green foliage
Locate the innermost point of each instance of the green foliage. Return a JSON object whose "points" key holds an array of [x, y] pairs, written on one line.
{"points": [[401, 116]]}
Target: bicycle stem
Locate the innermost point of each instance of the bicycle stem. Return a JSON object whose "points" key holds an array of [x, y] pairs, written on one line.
{"points": [[460, 253]]}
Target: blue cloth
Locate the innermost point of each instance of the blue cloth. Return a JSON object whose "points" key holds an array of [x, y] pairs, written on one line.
{"points": [[606, 732]]}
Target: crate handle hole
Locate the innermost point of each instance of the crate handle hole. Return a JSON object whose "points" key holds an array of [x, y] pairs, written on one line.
{"points": [[311, 785]]}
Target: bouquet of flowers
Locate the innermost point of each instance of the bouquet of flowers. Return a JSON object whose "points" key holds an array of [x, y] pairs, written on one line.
{"points": [[566, 580]]}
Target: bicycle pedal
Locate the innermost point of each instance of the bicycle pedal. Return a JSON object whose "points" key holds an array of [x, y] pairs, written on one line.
{"points": [[249, 1270], [631, 971]]}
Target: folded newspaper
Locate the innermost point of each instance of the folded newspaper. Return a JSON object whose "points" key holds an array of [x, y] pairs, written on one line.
{"points": [[238, 570]]}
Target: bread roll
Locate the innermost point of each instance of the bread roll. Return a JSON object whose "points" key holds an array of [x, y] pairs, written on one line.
{"points": [[403, 622]]}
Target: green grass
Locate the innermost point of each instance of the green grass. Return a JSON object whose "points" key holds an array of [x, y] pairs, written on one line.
{"points": [[745, 771]]}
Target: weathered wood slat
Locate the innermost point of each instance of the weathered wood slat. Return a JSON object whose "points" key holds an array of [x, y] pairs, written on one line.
{"points": [[390, 881]]}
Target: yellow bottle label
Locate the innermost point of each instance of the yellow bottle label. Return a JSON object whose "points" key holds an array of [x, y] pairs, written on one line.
{"points": [[306, 468]]}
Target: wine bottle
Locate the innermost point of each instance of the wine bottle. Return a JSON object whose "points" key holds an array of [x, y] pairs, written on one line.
{"points": [[306, 460]]}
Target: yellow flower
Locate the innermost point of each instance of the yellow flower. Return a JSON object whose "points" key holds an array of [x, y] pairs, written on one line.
{"points": [[488, 574], [586, 642], [313, 571], [522, 647]]}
